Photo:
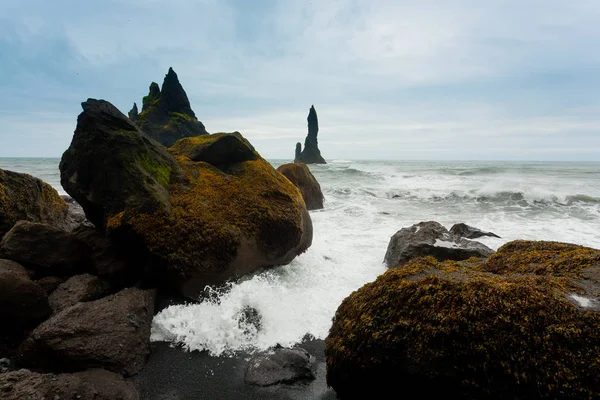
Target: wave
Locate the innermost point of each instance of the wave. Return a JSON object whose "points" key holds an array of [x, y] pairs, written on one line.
{"points": [[481, 171]]}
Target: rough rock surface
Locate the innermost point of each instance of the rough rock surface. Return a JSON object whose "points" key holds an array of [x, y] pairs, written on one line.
{"points": [[522, 324], [431, 239], [111, 333], [133, 113], [23, 197], [469, 232], [189, 223], [299, 174], [45, 249], [311, 153], [22, 301], [49, 283], [77, 289], [105, 259], [96, 384], [75, 215], [167, 115], [281, 365]]}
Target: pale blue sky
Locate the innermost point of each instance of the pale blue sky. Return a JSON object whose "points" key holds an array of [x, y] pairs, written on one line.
{"points": [[390, 79]]}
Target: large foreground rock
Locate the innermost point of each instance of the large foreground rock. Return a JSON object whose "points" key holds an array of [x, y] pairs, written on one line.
{"points": [[95, 384], [111, 333], [23, 197], [431, 239], [299, 174], [45, 249], [22, 301], [523, 324], [166, 114], [189, 223]]}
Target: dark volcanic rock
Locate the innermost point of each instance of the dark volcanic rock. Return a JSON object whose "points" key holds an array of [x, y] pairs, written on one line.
{"points": [[105, 258], [111, 333], [183, 224], [133, 113], [469, 232], [216, 149], [75, 215], [522, 324], [311, 153], [23, 197], [77, 289], [280, 366], [299, 174], [167, 115], [96, 384], [49, 283], [111, 164], [22, 301], [45, 249], [431, 239]]}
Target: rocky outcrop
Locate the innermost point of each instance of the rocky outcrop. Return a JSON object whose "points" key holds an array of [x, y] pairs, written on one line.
{"points": [[311, 153], [209, 211], [77, 289], [22, 302], [279, 366], [111, 333], [522, 324], [23, 197], [166, 113], [431, 239], [299, 174], [469, 232], [94, 384], [133, 113], [45, 249]]}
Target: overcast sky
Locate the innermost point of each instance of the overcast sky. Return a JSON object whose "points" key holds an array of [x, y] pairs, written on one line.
{"points": [[390, 79]]}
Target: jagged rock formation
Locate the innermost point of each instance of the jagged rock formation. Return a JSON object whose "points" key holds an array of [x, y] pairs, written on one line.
{"points": [[166, 113], [133, 113], [311, 153], [208, 210]]}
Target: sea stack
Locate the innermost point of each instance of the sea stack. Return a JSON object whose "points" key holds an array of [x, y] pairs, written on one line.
{"points": [[311, 153], [167, 115]]}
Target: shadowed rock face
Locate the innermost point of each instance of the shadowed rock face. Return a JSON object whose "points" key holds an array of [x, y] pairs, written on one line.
{"points": [[311, 153], [134, 113], [167, 115], [208, 210], [299, 174]]}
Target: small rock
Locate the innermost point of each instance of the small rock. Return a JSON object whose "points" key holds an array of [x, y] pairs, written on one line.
{"points": [[282, 365]]}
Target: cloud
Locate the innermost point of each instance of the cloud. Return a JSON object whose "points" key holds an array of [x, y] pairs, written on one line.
{"points": [[421, 74]]}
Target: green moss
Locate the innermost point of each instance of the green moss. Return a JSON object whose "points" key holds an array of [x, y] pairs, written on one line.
{"points": [[159, 171], [473, 332]]}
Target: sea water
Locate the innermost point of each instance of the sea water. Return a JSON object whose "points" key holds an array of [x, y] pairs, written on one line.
{"points": [[366, 202]]}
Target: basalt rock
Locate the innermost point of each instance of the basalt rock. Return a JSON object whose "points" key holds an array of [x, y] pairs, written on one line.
{"points": [[279, 366], [47, 250], [207, 211], [133, 113], [523, 324], [111, 333], [299, 174], [431, 239], [77, 289], [167, 115], [469, 232], [94, 384], [24, 197], [311, 153]]}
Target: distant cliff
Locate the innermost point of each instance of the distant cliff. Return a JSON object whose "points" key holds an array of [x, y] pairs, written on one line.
{"points": [[311, 153], [166, 114]]}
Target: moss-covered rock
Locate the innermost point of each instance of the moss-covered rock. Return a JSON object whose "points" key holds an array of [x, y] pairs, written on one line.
{"points": [[166, 113], [299, 174], [186, 223], [528, 330], [24, 197]]}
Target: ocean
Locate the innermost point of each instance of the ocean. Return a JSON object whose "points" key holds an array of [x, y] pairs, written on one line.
{"points": [[366, 202]]}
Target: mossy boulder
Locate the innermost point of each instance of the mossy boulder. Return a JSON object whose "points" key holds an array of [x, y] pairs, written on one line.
{"points": [[186, 223], [299, 174], [167, 115], [523, 324], [24, 197], [111, 164]]}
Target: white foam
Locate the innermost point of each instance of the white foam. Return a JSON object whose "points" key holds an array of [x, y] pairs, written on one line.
{"points": [[446, 244], [583, 301]]}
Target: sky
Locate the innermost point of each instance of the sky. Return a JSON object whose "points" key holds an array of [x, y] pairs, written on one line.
{"points": [[390, 79]]}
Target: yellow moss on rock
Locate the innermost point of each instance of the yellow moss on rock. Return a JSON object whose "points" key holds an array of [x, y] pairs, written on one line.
{"points": [[455, 329]]}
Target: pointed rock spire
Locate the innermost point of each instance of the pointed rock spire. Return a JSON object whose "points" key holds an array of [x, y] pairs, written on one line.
{"points": [[311, 153], [133, 113]]}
